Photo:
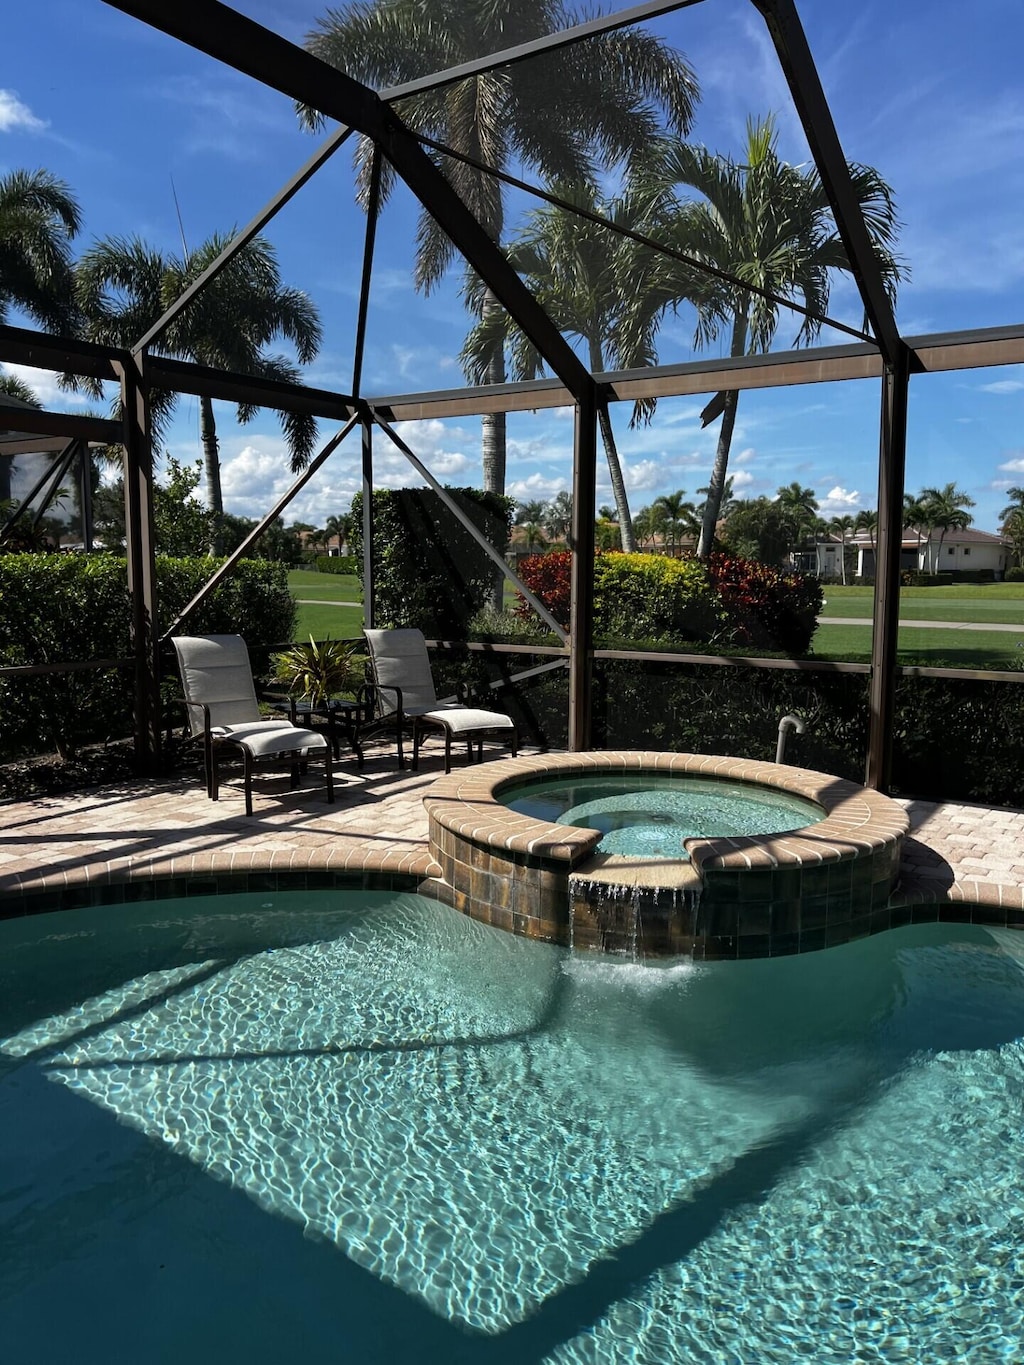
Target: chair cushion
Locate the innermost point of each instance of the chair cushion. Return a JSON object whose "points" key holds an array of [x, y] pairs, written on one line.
{"points": [[215, 669], [399, 658], [461, 720], [270, 737]]}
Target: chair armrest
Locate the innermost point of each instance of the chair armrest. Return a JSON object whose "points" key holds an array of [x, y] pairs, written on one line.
{"points": [[372, 689]]}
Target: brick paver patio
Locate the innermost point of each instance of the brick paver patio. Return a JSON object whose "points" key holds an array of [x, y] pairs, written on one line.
{"points": [[169, 828]]}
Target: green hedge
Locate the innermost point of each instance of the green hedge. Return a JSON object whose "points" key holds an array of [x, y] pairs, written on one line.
{"points": [[953, 740], [429, 571], [340, 564], [63, 608], [732, 602]]}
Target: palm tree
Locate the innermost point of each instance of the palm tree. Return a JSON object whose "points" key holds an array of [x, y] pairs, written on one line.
{"points": [[39, 217], [677, 516], [645, 526], [534, 532], [868, 521], [728, 500], [594, 286], [527, 512], [761, 220], [842, 526], [1011, 522], [124, 286], [800, 506], [339, 528], [915, 518], [565, 113], [945, 510], [558, 517]]}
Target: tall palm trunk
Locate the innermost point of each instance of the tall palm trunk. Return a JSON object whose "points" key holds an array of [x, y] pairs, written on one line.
{"points": [[211, 464], [493, 440], [611, 451], [720, 472], [494, 424]]}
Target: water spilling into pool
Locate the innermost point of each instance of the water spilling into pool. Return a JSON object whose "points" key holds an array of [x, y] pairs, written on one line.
{"points": [[371, 1129], [649, 816]]}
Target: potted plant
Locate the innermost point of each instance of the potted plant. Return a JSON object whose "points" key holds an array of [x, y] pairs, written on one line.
{"points": [[318, 671]]}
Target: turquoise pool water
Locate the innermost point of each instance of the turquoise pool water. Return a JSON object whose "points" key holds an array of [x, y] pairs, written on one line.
{"points": [[305, 1127], [649, 816]]}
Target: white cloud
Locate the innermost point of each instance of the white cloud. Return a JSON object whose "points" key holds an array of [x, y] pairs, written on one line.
{"points": [[44, 384], [742, 479], [643, 475], [1003, 386], [535, 488], [1013, 466], [449, 463], [744, 457], [14, 114], [841, 500]]}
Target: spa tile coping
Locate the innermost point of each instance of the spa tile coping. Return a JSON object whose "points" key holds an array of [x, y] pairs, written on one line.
{"points": [[858, 821]]}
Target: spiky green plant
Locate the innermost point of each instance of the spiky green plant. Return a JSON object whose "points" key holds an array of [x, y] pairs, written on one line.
{"points": [[320, 670]]}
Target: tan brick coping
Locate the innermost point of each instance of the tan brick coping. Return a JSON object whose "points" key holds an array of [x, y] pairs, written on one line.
{"points": [[857, 821]]}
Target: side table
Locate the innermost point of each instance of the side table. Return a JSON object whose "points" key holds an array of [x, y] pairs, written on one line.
{"points": [[342, 717]]}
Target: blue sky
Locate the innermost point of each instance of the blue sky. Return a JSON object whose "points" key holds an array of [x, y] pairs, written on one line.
{"points": [[924, 91]]}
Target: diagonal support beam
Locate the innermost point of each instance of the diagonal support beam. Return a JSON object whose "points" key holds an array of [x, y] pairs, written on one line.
{"points": [[794, 54], [242, 239], [477, 535], [221, 32], [551, 42], [257, 531]]}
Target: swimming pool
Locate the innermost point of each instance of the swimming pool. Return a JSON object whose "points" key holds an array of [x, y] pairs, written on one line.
{"points": [[367, 1128], [648, 815]]}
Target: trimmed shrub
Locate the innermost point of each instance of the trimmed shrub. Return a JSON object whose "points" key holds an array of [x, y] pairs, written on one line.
{"points": [[64, 608], [735, 602], [340, 564], [548, 576], [766, 608], [428, 570], [654, 597], [1015, 575]]}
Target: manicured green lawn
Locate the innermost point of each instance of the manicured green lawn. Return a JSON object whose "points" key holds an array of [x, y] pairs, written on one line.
{"points": [[320, 612], [981, 602], [322, 615], [926, 647]]}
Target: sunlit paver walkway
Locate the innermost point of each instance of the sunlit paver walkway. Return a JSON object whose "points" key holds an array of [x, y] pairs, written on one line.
{"points": [[160, 829]]}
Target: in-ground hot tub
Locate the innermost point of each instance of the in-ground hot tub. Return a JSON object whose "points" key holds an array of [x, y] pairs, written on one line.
{"points": [[793, 889]]}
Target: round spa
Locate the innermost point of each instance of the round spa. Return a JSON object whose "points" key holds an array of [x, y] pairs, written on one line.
{"points": [[665, 854]]}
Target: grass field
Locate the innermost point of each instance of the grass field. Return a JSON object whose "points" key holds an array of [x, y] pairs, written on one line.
{"points": [[986, 603], [321, 611], [976, 603], [323, 614]]}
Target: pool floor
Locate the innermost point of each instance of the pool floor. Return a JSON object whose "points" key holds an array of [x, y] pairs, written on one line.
{"points": [[311, 1126]]}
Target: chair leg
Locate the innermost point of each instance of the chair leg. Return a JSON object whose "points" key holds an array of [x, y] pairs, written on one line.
{"points": [[514, 741], [208, 770], [213, 779], [330, 775], [417, 739], [248, 779], [447, 750]]}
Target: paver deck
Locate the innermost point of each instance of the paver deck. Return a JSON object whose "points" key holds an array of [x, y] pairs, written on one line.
{"points": [[169, 828]]}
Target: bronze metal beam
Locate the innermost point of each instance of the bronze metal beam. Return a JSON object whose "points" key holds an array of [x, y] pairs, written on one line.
{"points": [[473, 530], [138, 517], [886, 610], [794, 55], [258, 530], [64, 426], [581, 605]]}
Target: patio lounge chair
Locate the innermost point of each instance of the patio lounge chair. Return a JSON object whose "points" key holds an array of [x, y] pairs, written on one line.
{"points": [[403, 694], [223, 711]]}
